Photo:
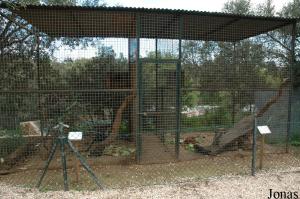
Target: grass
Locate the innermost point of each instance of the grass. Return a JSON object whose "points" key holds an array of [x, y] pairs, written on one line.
{"points": [[295, 140]]}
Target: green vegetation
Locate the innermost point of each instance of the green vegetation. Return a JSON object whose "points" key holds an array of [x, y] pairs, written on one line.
{"points": [[295, 140], [218, 117], [227, 71], [10, 141]]}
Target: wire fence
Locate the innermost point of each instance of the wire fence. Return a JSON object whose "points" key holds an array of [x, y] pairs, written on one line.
{"points": [[158, 97]]}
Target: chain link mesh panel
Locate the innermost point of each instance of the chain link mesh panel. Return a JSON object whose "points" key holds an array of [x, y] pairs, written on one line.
{"points": [[159, 97]]}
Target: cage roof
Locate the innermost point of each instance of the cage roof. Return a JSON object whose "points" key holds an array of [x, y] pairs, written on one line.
{"points": [[78, 21]]}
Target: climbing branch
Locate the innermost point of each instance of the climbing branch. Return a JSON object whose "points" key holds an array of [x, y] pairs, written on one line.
{"points": [[273, 99]]}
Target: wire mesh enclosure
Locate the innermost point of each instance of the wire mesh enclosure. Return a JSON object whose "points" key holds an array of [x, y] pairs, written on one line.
{"points": [[159, 95]]}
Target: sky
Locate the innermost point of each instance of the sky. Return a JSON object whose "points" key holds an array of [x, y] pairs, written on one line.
{"points": [[200, 5], [120, 46]]}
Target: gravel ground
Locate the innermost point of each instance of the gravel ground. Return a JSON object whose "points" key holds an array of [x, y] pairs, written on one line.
{"points": [[222, 187]]}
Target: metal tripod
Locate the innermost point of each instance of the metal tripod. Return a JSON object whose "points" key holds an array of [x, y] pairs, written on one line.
{"points": [[62, 140]]}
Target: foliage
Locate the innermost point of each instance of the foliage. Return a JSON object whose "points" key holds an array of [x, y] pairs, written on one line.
{"points": [[238, 7], [124, 133], [217, 117], [292, 9], [190, 99], [241, 66], [190, 147], [10, 141], [57, 2], [266, 9], [261, 62]]}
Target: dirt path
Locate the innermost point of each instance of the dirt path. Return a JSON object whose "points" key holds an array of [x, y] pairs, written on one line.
{"points": [[154, 151], [223, 187]]}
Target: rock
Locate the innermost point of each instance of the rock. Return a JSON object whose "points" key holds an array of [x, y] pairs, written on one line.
{"points": [[31, 128]]}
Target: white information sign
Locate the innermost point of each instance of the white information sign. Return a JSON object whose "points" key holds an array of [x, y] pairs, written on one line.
{"points": [[264, 130], [77, 135]]}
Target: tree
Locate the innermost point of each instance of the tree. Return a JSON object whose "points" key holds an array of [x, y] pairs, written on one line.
{"points": [[238, 7], [25, 60], [266, 9], [234, 67], [292, 9]]}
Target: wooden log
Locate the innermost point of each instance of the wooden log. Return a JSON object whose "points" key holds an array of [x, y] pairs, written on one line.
{"points": [[117, 121], [31, 138], [273, 99], [31, 128], [30, 146], [241, 131]]}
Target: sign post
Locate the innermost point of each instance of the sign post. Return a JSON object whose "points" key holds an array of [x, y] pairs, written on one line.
{"points": [[263, 131], [75, 137]]}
